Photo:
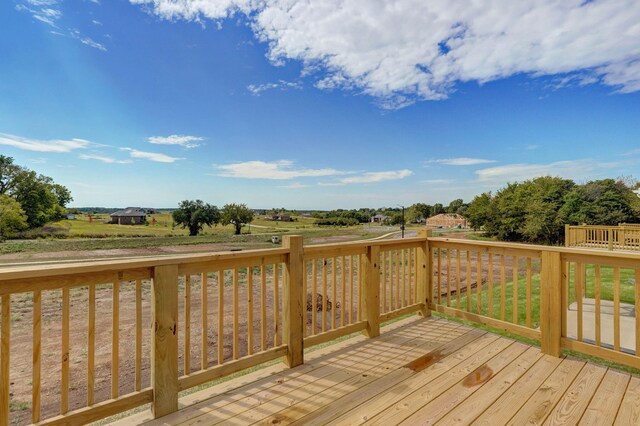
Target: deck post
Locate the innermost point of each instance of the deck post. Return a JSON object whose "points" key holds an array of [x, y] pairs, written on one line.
{"points": [[424, 281], [551, 302], [371, 291], [164, 335], [567, 236], [292, 303]]}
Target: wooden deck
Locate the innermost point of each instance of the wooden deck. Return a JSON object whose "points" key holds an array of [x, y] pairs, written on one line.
{"points": [[419, 371]]}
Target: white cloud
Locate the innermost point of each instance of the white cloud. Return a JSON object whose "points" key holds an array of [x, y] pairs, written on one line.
{"points": [[182, 140], [104, 159], [257, 89], [437, 181], [403, 50], [152, 156], [373, 177], [53, 145], [278, 170], [569, 169], [295, 185], [461, 161]]}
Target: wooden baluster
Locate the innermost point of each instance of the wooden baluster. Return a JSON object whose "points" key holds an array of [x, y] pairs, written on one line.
{"points": [[414, 254], [276, 304], [565, 279], [263, 307], [324, 294], [5, 350], [449, 276], [469, 293], [360, 285], [351, 289], [187, 324], [249, 311], [528, 308], [597, 302], [397, 284], [458, 279], [371, 290], [91, 345], [439, 277], [333, 292], [579, 285], [503, 287], [293, 323], [314, 297], [304, 297], [236, 314], [220, 317], [37, 356], [344, 289], [204, 310], [515, 290], [479, 283], [490, 287], [115, 343], [164, 348], [384, 282], [403, 279], [64, 381], [138, 350], [616, 308], [550, 302]]}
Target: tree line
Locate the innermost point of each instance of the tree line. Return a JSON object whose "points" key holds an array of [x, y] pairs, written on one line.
{"points": [[536, 210], [27, 199]]}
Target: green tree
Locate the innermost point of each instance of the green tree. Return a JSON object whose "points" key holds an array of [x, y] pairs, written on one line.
{"points": [[480, 211], [195, 214], [12, 217], [237, 215], [418, 211], [455, 205], [437, 209]]}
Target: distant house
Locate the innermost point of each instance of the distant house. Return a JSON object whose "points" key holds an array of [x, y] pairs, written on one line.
{"points": [[70, 216], [281, 217], [149, 210], [129, 216], [447, 220], [379, 218]]}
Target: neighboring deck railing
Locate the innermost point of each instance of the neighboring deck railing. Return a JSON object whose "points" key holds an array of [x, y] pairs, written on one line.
{"points": [[123, 333], [625, 236]]}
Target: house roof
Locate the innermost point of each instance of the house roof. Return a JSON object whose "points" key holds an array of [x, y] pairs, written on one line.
{"points": [[130, 212]]}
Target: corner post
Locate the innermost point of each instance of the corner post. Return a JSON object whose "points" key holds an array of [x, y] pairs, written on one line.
{"points": [[424, 273], [567, 236], [164, 335], [371, 291], [551, 302], [292, 320]]}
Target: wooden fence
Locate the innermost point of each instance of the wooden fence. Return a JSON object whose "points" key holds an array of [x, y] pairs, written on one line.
{"points": [[124, 333], [622, 237]]}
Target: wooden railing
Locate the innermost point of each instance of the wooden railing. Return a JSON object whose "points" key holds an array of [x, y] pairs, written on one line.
{"points": [[108, 336], [622, 237], [578, 299]]}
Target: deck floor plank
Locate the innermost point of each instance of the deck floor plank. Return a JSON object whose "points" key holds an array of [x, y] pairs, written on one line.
{"points": [[604, 406], [446, 401], [629, 413], [575, 401], [340, 411], [419, 371], [304, 400], [469, 409], [538, 407], [505, 407], [427, 391]]}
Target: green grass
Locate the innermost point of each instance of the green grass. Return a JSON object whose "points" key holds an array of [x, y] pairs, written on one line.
{"points": [[627, 283], [508, 297]]}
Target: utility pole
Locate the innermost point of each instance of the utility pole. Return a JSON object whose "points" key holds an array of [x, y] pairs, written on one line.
{"points": [[403, 222]]}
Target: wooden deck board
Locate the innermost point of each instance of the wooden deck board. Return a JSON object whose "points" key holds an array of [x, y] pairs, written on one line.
{"points": [[419, 371]]}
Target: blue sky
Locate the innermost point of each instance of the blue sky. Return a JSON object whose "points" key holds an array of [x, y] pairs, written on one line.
{"points": [[316, 105]]}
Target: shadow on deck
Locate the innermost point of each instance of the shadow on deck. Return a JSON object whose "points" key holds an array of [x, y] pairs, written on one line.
{"points": [[419, 371]]}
